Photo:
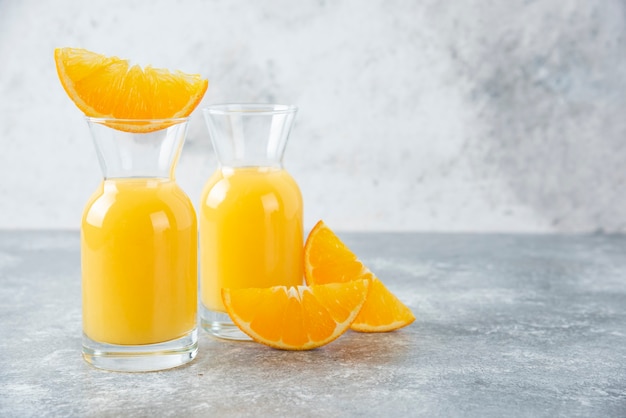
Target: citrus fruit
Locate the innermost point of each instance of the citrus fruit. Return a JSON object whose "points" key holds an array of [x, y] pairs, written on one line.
{"points": [[109, 87], [327, 260], [296, 318]]}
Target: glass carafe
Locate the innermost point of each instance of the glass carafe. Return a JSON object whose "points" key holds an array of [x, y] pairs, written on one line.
{"points": [[250, 213], [139, 251]]}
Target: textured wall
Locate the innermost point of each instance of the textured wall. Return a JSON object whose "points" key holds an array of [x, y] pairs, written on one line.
{"points": [[414, 115]]}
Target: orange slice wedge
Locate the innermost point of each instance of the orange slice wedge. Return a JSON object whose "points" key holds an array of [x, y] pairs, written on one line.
{"points": [[327, 260], [296, 318], [110, 88]]}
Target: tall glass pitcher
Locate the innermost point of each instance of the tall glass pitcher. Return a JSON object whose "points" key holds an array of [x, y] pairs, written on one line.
{"points": [[251, 209], [139, 251]]}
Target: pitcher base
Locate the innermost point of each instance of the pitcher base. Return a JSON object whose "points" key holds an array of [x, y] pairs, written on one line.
{"points": [[141, 358], [220, 325]]}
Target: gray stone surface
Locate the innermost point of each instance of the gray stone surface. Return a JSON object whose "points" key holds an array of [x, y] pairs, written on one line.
{"points": [[507, 325]]}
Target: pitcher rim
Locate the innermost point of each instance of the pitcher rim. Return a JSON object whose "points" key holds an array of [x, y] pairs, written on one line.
{"points": [[104, 119], [250, 108]]}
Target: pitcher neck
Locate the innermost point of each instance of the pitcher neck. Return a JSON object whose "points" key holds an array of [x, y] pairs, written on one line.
{"points": [[250, 134], [150, 154]]}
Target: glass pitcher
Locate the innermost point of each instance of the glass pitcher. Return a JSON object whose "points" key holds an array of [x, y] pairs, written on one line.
{"points": [[250, 213], [139, 251]]}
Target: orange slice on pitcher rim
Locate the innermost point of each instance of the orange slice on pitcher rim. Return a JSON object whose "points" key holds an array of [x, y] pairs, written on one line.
{"points": [[110, 88], [327, 260], [296, 318]]}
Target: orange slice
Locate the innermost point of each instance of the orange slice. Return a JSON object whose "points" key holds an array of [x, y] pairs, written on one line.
{"points": [[109, 87], [328, 260], [296, 318]]}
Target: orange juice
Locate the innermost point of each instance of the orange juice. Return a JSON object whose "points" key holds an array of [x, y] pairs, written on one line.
{"points": [[138, 246], [250, 231]]}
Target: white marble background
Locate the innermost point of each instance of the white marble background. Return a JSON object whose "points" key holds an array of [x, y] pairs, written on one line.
{"points": [[477, 115]]}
